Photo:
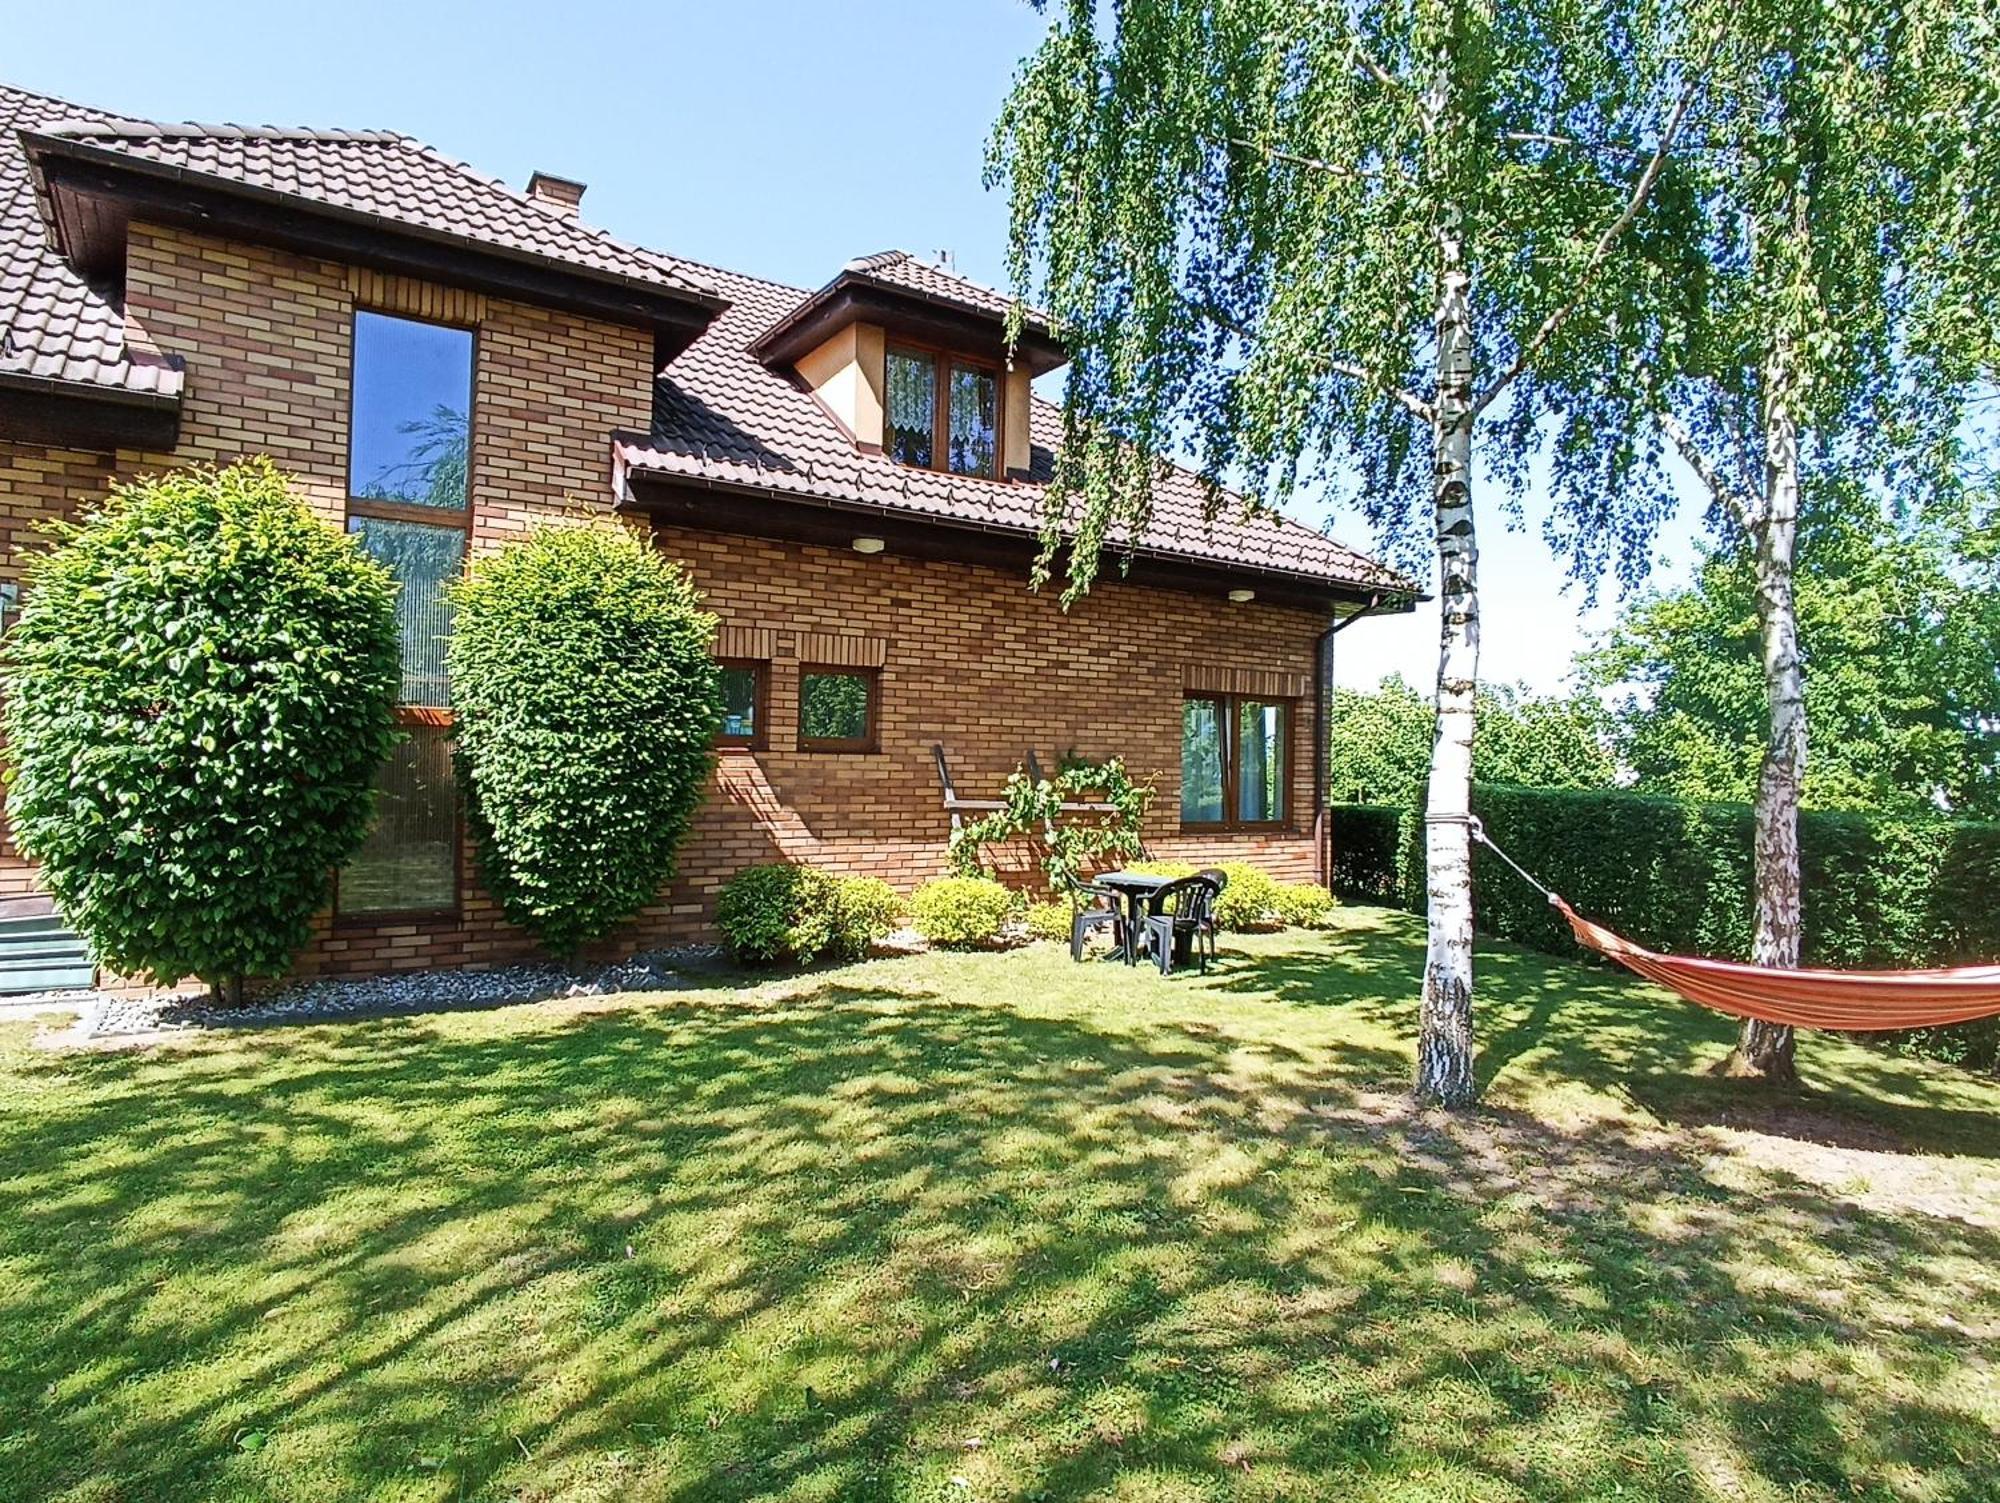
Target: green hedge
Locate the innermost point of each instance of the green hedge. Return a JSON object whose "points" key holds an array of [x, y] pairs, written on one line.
{"points": [[1881, 891], [1366, 861]]}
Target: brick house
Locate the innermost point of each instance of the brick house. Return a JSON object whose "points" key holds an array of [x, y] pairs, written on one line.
{"points": [[853, 475]]}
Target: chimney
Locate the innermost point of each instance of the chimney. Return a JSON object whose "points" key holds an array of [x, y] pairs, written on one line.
{"points": [[559, 195]]}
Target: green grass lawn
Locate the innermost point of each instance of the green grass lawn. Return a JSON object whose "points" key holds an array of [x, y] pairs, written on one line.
{"points": [[999, 1227]]}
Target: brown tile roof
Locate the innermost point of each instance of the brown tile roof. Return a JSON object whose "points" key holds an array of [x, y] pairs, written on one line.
{"points": [[382, 174], [720, 415], [54, 325], [898, 268]]}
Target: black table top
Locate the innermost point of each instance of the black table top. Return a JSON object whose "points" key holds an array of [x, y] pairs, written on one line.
{"points": [[1133, 881]]}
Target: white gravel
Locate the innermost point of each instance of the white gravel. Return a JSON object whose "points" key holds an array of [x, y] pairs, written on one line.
{"points": [[103, 1016]]}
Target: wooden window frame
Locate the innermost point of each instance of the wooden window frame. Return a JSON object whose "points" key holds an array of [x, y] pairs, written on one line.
{"points": [[760, 706], [1227, 707], [942, 360], [437, 716], [849, 745]]}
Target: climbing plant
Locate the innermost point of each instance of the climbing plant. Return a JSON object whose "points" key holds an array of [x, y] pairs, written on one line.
{"points": [[1072, 840]]}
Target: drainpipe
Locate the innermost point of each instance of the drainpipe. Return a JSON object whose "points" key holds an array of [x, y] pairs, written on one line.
{"points": [[1323, 736]]}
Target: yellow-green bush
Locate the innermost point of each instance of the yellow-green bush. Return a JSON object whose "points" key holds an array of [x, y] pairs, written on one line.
{"points": [[1048, 921], [1303, 905], [962, 913]]}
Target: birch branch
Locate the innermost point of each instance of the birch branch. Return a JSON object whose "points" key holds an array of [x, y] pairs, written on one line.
{"points": [[1401, 396], [1599, 253], [1690, 450]]}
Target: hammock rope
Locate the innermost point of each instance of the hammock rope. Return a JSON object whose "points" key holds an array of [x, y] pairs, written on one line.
{"points": [[1851, 1001]]}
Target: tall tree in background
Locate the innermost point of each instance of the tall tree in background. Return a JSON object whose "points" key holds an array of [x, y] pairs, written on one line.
{"points": [[1899, 637], [1848, 182], [1380, 742], [1285, 234]]}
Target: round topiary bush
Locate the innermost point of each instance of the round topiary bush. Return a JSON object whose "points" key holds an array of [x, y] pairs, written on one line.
{"points": [[587, 702], [962, 913], [1049, 921], [198, 694], [783, 912]]}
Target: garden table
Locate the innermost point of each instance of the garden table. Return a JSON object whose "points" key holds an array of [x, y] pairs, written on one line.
{"points": [[1136, 890]]}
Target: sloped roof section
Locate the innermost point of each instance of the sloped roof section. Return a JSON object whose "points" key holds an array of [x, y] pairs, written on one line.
{"points": [[54, 324], [899, 268], [722, 416], [382, 174]]}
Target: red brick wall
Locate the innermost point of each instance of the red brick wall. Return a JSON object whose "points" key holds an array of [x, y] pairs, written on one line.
{"points": [[970, 658], [974, 661]]}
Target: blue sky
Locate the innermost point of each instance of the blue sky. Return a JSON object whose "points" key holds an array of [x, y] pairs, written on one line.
{"points": [[777, 138]]}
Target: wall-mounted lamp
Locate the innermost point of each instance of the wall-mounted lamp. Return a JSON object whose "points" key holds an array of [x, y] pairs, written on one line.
{"points": [[1242, 597], [868, 545]]}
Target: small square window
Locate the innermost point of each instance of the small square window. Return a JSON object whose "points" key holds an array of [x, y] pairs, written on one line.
{"points": [[742, 705], [837, 709]]}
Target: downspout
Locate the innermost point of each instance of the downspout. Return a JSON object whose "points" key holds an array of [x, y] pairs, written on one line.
{"points": [[1323, 736]]}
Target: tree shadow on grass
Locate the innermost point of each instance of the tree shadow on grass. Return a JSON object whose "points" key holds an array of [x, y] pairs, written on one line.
{"points": [[862, 1238]]}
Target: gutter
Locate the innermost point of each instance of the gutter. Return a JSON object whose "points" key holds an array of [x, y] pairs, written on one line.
{"points": [[89, 391], [623, 472]]}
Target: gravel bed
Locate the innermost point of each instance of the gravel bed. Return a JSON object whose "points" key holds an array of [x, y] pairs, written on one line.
{"points": [[374, 996]]}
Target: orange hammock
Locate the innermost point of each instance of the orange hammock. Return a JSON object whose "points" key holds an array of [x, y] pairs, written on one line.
{"points": [[1853, 1001]]}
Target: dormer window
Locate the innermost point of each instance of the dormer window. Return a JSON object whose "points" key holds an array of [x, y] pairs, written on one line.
{"points": [[942, 412]]}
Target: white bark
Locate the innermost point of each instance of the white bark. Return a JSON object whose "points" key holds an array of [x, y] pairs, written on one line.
{"points": [[1445, 1047], [1766, 1049]]}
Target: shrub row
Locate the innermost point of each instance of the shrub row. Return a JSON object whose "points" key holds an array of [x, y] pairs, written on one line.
{"points": [[783, 912], [1882, 892]]}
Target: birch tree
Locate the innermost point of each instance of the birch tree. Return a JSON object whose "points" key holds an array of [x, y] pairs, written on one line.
{"points": [[1848, 183], [1315, 240]]}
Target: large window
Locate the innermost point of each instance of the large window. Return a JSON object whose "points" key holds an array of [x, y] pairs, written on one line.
{"points": [[409, 501], [1235, 760], [942, 414], [837, 709], [412, 412]]}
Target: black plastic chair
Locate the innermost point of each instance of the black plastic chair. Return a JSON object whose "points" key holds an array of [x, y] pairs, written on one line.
{"points": [[1180, 908], [1210, 927], [1088, 913]]}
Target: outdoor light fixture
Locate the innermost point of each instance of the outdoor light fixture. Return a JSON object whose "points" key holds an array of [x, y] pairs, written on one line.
{"points": [[868, 545], [1242, 597]]}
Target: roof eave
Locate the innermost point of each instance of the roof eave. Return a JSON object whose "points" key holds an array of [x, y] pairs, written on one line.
{"points": [[86, 415], [1288, 586], [185, 196], [856, 297]]}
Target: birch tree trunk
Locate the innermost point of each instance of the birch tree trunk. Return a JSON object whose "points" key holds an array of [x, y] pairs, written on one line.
{"points": [[1765, 1050], [1444, 1046]]}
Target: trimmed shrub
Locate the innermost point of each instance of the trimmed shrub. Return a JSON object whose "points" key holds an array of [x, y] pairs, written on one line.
{"points": [[785, 912], [1303, 905], [1881, 892], [1249, 902], [1048, 921], [198, 693], [587, 702], [962, 913]]}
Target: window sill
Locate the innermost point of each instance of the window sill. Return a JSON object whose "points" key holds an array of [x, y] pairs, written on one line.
{"points": [[350, 923]]}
